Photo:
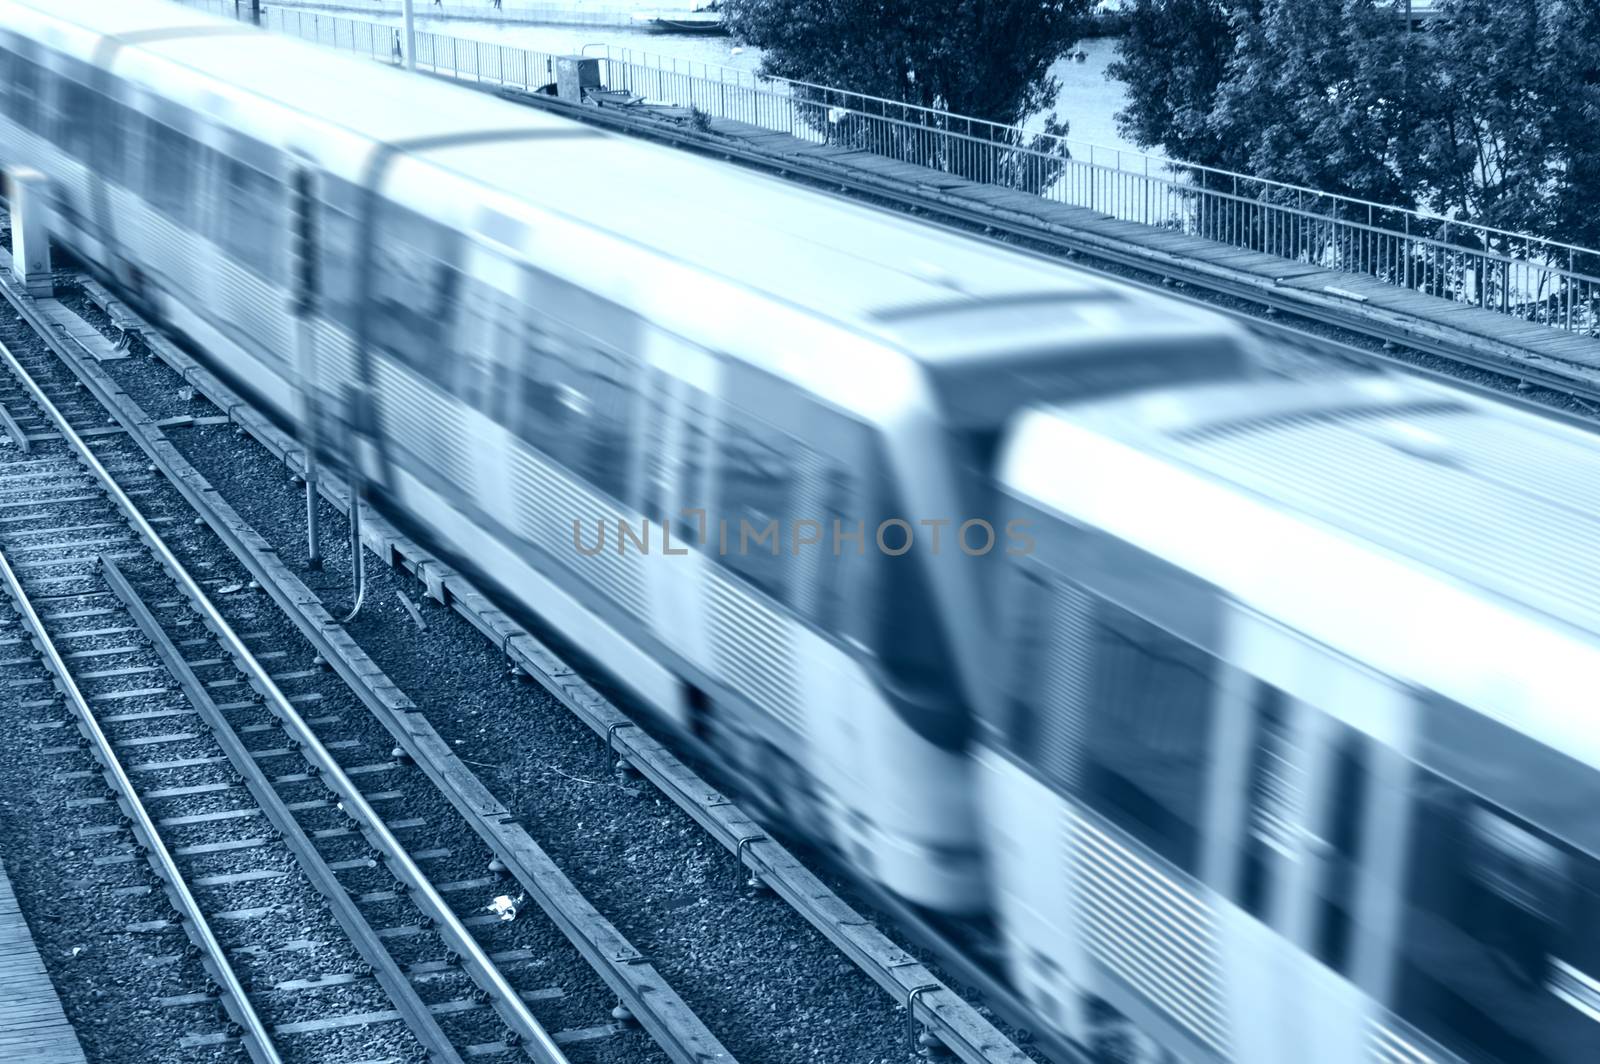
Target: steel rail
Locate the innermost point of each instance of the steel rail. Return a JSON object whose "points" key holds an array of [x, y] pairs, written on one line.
{"points": [[978, 222], [640, 986], [14, 430], [257, 1041], [929, 1002], [418, 1017], [536, 1041]]}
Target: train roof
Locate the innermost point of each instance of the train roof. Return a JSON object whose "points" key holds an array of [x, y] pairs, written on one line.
{"points": [[1447, 540], [935, 294]]}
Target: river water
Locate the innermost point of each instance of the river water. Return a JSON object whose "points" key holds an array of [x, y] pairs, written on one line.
{"points": [[1088, 99]]}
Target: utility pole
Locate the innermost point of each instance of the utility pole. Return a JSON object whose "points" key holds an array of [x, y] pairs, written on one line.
{"points": [[410, 58], [255, 12], [305, 310]]}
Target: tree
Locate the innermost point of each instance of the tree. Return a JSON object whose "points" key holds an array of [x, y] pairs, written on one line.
{"points": [[1512, 137], [1491, 115], [989, 59], [1319, 93], [1173, 58]]}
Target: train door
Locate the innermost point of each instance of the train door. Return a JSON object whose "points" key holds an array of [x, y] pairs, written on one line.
{"points": [[486, 345], [1307, 841], [677, 447]]}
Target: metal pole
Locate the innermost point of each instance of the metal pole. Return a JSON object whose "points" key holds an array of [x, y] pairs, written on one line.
{"points": [[305, 353], [255, 12], [358, 562], [411, 36]]}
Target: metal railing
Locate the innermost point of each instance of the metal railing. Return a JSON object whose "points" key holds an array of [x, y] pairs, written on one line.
{"points": [[521, 12], [1527, 277]]}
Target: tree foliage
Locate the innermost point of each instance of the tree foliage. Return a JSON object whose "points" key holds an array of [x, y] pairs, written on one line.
{"points": [[1172, 59], [989, 59], [1491, 113]]}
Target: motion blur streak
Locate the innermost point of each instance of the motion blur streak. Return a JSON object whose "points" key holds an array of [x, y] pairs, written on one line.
{"points": [[1276, 743]]}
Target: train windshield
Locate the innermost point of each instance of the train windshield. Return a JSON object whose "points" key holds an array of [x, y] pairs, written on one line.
{"points": [[1500, 945]]}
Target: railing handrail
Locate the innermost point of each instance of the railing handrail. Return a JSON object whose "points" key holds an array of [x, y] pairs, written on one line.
{"points": [[1528, 277], [1013, 136], [655, 61]]}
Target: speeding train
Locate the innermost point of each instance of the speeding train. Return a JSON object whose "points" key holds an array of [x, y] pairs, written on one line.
{"points": [[527, 331], [1199, 723], [1298, 755]]}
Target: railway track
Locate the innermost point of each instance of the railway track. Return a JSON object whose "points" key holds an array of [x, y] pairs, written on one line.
{"points": [[393, 741], [251, 824]]}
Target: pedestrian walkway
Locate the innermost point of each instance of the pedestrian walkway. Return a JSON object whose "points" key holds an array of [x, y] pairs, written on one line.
{"points": [[32, 1026], [1497, 340]]}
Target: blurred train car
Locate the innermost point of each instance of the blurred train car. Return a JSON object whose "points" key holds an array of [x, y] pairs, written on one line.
{"points": [[521, 328], [1298, 754]]}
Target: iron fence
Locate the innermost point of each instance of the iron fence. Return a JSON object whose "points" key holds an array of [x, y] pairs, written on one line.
{"points": [[1522, 276], [525, 12]]}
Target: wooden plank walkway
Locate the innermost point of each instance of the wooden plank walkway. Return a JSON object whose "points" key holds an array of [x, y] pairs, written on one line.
{"points": [[1497, 337], [33, 1028]]}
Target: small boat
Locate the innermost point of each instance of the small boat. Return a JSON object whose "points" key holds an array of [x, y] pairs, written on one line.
{"points": [[708, 24]]}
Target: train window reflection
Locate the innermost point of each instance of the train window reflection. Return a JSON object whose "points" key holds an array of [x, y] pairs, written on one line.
{"points": [[337, 238], [755, 479], [169, 174], [1346, 808], [552, 397], [109, 118], [1149, 732], [611, 401], [74, 110], [26, 82], [1275, 794], [253, 217], [1500, 954], [1053, 646], [486, 346], [1119, 710], [414, 290], [578, 404]]}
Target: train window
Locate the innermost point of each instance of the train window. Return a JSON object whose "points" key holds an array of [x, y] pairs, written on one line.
{"points": [[109, 140], [553, 403], [1051, 636], [755, 476], [612, 396], [693, 462], [1500, 939], [1347, 807], [820, 586], [1024, 598], [487, 341], [253, 218], [579, 404], [1275, 799], [27, 80], [171, 161], [1147, 744], [415, 292], [670, 482], [337, 237], [690, 493], [890, 597], [73, 115]]}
